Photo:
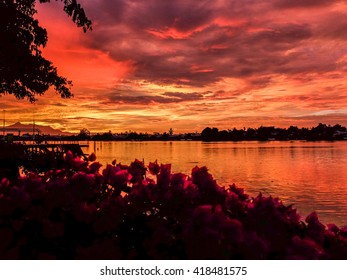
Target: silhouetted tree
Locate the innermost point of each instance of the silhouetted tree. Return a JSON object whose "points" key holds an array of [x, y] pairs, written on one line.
{"points": [[264, 133], [24, 72], [293, 132], [210, 134], [223, 135], [165, 136], [84, 134], [251, 134], [338, 127]]}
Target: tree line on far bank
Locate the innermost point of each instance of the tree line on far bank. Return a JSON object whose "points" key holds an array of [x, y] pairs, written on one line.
{"points": [[321, 132]]}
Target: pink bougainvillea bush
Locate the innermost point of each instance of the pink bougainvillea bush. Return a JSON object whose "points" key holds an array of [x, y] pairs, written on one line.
{"points": [[139, 212]]}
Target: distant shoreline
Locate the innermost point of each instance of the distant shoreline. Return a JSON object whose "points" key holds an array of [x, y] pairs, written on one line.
{"points": [[175, 140], [321, 132]]}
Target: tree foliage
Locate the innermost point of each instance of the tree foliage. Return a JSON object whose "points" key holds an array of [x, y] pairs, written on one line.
{"points": [[24, 72]]}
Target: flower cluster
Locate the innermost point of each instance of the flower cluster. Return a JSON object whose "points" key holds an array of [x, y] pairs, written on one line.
{"points": [[139, 212]]}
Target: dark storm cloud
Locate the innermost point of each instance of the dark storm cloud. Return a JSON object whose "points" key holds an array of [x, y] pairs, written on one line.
{"points": [[185, 96], [198, 43], [144, 98], [303, 3]]}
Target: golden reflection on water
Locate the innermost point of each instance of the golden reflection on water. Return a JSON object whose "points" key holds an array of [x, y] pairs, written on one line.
{"points": [[310, 175]]}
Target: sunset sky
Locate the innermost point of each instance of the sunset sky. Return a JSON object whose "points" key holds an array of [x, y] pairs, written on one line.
{"points": [[153, 65]]}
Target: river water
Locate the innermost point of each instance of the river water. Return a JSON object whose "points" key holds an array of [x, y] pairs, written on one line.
{"points": [[310, 175]]}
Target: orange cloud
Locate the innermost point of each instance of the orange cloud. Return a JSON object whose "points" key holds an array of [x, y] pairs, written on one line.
{"points": [[188, 64]]}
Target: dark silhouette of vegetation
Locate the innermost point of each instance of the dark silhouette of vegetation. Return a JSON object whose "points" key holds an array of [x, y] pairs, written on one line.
{"points": [[321, 132], [146, 212], [24, 72], [11, 157], [84, 134], [264, 133], [107, 136], [126, 136]]}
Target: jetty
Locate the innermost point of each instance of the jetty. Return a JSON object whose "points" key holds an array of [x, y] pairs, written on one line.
{"points": [[14, 155], [75, 148]]}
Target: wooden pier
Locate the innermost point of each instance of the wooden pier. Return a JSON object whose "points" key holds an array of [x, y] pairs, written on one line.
{"points": [[37, 157], [76, 149]]}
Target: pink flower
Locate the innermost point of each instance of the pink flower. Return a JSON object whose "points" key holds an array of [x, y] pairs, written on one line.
{"points": [[5, 183], [109, 171], [333, 228], [313, 222], [119, 181], [163, 177], [78, 164], [94, 167], [239, 192], [137, 170], [304, 249], [68, 156], [203, 179], [92, 157], [153, 168]]}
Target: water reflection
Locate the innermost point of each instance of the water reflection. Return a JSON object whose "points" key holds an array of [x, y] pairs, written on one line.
{"points": [[312, 175]]}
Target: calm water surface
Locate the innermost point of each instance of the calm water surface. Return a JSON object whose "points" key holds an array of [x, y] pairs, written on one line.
{"points": [[310, 175]]}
